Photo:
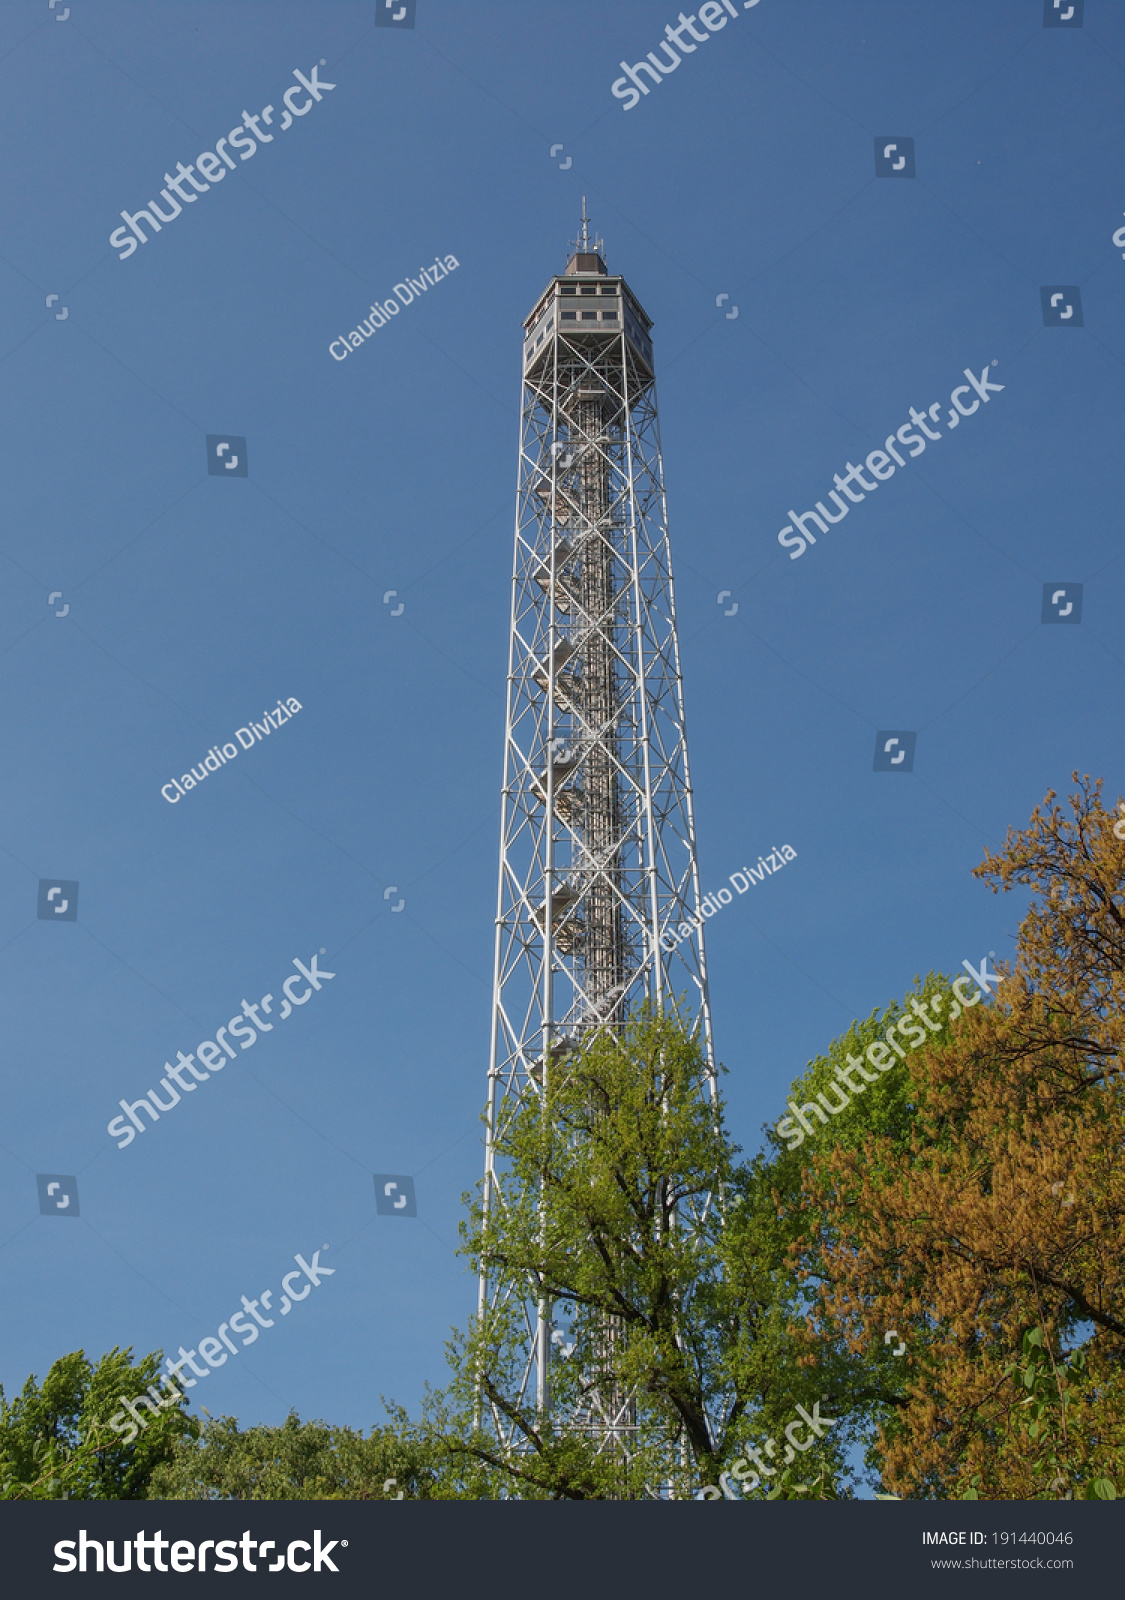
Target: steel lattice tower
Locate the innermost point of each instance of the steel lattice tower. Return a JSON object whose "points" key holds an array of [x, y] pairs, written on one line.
{"points": [[597, 840]]}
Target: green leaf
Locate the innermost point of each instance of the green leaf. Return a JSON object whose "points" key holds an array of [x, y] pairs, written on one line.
{"points": [[1100, 1489]]}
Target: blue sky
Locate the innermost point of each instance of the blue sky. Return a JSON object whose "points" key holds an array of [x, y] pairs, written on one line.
{"points": [[196, 602]]}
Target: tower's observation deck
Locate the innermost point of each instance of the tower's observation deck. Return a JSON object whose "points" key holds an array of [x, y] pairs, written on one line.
{"points": [[595, 302]]}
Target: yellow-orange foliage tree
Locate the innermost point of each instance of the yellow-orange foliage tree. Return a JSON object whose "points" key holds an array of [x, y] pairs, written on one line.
{"points": [[1004, 1210]]}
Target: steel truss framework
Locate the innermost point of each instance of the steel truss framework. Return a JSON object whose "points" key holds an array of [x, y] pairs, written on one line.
{"points": [[597, 845]]}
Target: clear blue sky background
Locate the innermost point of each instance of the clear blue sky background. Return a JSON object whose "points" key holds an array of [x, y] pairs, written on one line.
{"points": [[196, 602]]}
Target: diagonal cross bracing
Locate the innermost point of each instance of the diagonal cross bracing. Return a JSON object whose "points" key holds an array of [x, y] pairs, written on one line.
{"points": [[597, 845]]}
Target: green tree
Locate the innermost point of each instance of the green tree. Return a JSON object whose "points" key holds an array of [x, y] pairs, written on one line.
{"points": [[677, 1276], [613, 1197], [298, 1461], [1043, 1414], [57, 1440]]}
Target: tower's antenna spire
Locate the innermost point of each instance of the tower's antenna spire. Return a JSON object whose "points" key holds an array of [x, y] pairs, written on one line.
{"points": [[582, 245]]}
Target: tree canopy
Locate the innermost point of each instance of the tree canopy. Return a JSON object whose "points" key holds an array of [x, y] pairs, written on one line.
{"points": [[296, 1461], [1000, 1211], [72, 1437]]}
